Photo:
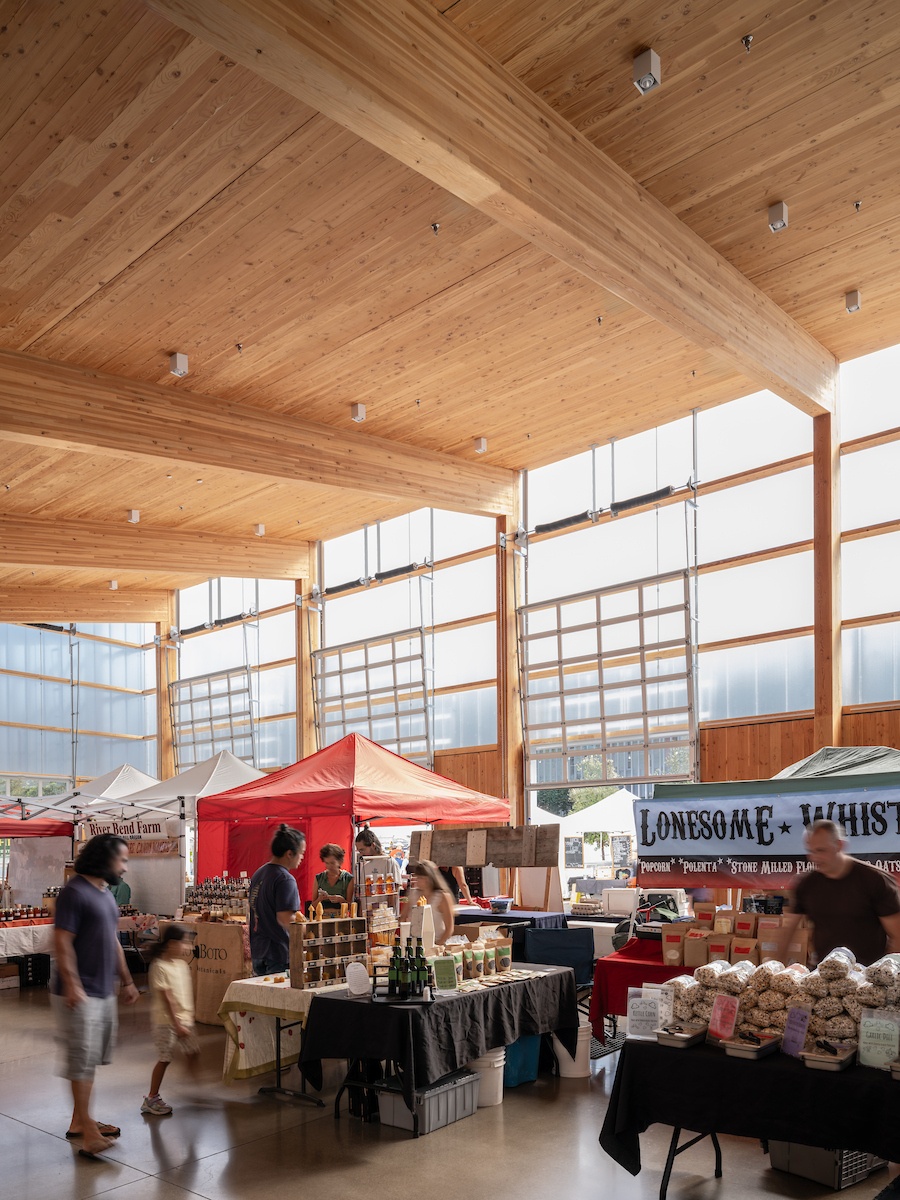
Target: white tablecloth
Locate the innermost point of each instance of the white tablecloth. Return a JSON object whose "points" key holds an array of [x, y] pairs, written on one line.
{"points": [[26, 939], [248, 1013]]}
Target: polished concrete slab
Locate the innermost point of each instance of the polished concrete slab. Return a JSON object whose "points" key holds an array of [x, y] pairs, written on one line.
{"points": [[229, 1143]]}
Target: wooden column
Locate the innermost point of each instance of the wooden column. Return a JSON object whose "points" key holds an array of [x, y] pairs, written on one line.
{"points": [[827, 579], [166, 672], [509, 712], [307, 641]]}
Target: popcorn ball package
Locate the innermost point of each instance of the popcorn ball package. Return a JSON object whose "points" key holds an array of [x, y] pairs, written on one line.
{"points": [[682, 1009], [814, 984], [852, 1007], [710, 974], [761, 976], [771, 1000], [779, 1019], [870, 995], [829, 1006], [841, 1027], [838, 964], [735, 980], [848, 985], [758, 1017], [681, 984], [703, 1009], [817, 1026], [885, 972], [748, 999], [786, 982]]}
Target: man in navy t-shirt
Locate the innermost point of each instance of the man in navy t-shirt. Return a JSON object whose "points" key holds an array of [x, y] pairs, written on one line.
{"points": [[273, 901], [89, 961]]}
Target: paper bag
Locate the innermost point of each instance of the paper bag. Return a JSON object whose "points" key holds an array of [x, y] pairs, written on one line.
{"points": [[696, 948], [673, 946], [719, 945], [745, 950]]}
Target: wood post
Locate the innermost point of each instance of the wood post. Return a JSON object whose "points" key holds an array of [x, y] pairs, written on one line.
{"points": [[166, 673], [307, 641], [827, 579], [509, 712]]}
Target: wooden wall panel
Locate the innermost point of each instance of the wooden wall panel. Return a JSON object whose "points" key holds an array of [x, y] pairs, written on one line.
{"points": [[481, 768], [760, 749]]}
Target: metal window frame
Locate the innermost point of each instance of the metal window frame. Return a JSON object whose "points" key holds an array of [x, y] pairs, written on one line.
{"points": [[235, 725], [416, 695], [608, 734]]}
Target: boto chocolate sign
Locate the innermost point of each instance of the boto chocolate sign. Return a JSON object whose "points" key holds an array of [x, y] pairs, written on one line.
{"points": [[751, 834]]}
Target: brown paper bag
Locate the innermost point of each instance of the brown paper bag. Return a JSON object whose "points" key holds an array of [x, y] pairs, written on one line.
{"points": [[745, 925], [704, 915], [696, 948], [719, 946], [745, 950], [220, 960], [673, 946]]}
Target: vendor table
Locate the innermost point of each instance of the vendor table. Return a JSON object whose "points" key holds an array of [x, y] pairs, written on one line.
{"points": [[32, 937], [426, 1042], [253, 1012], [516, 922], [775, 1099], [638, 962]]}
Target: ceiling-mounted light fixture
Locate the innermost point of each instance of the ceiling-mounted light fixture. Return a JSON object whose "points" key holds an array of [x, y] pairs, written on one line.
{"points": [[853, 301], [778, 216], [134, 516], [646, 72], [114, 585], [480, 445], [178, 365], [357, 413], [259, 530]]}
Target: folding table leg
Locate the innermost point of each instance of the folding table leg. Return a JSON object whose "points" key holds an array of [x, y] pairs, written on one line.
{"points": [[675, 1149], [278, 1090]]}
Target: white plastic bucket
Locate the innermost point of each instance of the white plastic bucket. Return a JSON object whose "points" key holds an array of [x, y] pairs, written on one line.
{"points": [[580, 1066], [491, 1067]]}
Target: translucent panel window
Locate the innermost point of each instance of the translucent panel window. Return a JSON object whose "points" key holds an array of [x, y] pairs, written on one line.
{"points": [[870, 576], [465, 591], [628, 548], [758, 598], [137, 634], [457, 533], [869, 492], [121, 666], [465, 719], [33, 750], [870, 664], [869, 393], [756, 516], [216, 651], [750, 681], [114, 712], [275, 639], [97, 755], [749, 432], [377, 611], [276, 743], [277, 690], [465, 655]]}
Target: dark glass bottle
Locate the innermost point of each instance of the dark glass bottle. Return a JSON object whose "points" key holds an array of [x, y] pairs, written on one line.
{"points": [[421, 968], [394, 972]]}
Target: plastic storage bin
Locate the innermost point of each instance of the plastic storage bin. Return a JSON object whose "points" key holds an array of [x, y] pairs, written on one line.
{"points": [[837, 1169], [441, 1103], [490, 1066], [522, 1060], [580, 1066]]}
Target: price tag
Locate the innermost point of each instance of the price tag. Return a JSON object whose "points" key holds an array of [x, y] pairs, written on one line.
{"points": [[879, 1038], [643, 1015], [444, 973], [795, 1031], [724, 1017]]}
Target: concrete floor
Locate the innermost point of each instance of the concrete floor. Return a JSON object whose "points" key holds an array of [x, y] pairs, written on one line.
{"points": [[224, 1142]]}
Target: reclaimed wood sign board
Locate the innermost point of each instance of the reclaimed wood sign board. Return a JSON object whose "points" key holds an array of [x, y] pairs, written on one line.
{"points": [[497, 846]]}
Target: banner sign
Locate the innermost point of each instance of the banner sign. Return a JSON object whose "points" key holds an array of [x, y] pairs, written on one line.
{"points": [[750, 835], [136, 828], [158, 846]]}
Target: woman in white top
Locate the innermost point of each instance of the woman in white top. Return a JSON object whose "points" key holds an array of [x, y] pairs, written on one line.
{"points": [[425, 877]]}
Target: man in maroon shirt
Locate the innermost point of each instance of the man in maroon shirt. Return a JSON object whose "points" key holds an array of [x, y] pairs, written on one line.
{"points": [[850, 904]]}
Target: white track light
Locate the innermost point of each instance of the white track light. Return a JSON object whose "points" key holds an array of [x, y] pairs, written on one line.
{"points": [[778, 217], [259, 530], [853, 301], [357, 413], [178, 365], [480, 445], [134, 515], [646, 72]]}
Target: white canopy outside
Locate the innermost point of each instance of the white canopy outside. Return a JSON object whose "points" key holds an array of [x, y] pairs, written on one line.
{"points": [[89, 797], [217, 774], [615, 814]]}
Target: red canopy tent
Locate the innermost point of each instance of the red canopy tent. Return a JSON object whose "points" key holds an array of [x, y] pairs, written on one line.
{"points": [[16, 827], [353, 781]]}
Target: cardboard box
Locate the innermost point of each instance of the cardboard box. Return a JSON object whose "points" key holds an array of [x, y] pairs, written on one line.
{"points": [[673, 946], [696, 948], [9, 976], [745, 950], [798, 950], [745, 925], [704, 915], [719, 945]]}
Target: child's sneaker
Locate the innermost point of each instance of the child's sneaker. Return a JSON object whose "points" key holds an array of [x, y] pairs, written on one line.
{"points": [[156, 1105]]}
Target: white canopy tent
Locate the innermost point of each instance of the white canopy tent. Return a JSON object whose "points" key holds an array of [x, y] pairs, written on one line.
{"points": [[217, 774], [615, 814], [89, 797]]}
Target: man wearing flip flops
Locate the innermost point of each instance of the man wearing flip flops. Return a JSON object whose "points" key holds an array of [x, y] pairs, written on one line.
{"points": [[89, 959]]}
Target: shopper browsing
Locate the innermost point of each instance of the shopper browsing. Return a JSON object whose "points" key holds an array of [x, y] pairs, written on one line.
{"points": [[368, 846], [89, 960], [335, 885], [425, 879], [274, 900], [172, 1012]]}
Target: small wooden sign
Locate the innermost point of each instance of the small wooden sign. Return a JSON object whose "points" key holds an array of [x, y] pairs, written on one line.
{"points": [[476, 848], [505, 846]]}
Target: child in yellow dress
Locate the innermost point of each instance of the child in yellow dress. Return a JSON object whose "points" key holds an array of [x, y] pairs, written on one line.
{"points": [[172, 1012]]}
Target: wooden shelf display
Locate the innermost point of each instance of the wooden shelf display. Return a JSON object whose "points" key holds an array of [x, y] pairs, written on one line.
{"points": [[320, 950]]}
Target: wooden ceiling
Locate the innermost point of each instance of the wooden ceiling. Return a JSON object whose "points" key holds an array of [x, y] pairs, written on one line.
{"points": [[156, 196]]}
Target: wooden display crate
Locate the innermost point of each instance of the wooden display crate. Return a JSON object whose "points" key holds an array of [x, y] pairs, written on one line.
{"points": [[320, 950]]}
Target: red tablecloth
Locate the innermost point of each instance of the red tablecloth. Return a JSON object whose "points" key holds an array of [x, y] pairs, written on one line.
{"points": [[26, 921], [638, 962]]}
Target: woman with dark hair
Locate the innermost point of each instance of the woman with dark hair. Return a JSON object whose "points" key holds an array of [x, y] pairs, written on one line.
{"points": [[89, 959], [368, 846], [334, 883], [273, 901]]}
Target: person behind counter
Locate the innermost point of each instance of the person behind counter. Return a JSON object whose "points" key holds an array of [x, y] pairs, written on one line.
{"points": [[368, 846], [273, 901], [426, 878], [335, 885], [121, 891], [455, 879]]}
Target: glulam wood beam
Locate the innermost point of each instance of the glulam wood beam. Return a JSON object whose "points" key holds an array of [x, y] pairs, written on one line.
{"points": [[95, 545], [827, 580], [56, 404], [54, 606], [405, 78]]}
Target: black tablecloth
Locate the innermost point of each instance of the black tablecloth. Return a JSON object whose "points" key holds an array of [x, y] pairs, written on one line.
{"points": [[429, 1041], [519, 916], [775, 1098]]}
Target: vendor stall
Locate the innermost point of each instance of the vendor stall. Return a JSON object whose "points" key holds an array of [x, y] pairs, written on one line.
{"points": [[326, 796]]}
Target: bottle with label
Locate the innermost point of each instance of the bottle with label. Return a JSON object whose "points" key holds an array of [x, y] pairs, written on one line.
{"points": [[394, 972], [402, 972], [421, 967], [412, 968]]}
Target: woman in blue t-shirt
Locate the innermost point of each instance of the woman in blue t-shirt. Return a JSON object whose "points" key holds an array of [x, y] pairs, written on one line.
{"points": [[273, 901]]}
